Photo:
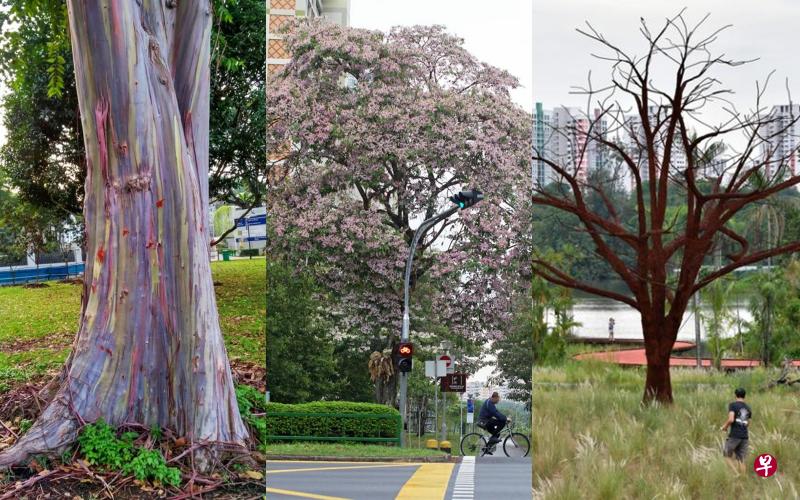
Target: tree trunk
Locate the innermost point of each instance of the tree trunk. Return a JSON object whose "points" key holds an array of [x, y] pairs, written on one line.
{"points": [[659, 339], [386, 390], [149, 348], [657, 386]]}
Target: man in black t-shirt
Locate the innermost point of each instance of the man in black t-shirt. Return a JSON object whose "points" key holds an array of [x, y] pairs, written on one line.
{"points": [[739, 415]]}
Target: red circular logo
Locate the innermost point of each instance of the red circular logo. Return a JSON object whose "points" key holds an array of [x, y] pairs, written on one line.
{"points": [[765, 465]]}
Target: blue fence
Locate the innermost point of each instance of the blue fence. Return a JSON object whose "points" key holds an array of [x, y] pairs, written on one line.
{"points": [[47, 272]]}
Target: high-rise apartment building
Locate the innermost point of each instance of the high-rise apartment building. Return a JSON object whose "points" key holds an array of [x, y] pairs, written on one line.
{"points": [[281, 13], [781, 143], [634, 142], [561, 135]]}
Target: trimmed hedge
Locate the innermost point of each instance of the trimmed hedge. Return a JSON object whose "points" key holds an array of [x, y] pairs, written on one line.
{"points": [[249, 252], [332, 426]]}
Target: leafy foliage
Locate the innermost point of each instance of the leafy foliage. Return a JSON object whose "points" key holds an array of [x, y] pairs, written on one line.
{"points": [[251, 400], [101, 446], [515, 353], [382, 128], [300, 358], [331, 426], [44, 155], [550, 344], [238, 108], [775, 308]]}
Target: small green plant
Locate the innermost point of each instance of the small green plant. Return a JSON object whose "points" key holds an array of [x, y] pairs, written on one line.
{"points": [[155, 432], [24, 425], [250, 401], [42, 460], [150, 465], [66, 455], [100, 446]]}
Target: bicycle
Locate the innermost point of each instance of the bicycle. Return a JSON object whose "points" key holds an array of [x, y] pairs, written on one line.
{"points": [[515, 444]]}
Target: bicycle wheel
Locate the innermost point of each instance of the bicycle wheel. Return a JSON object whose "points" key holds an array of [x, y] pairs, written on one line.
{"points": [[516, 445], [473, 444]]}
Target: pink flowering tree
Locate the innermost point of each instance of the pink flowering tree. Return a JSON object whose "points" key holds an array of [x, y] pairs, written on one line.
{"points": [[381, 129]]}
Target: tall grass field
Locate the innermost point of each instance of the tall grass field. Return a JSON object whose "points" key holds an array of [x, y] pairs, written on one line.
{"points": [[592, 439]]}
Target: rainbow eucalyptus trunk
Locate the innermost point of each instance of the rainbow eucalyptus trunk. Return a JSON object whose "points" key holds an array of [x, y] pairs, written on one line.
{"points": [[149, 349]]}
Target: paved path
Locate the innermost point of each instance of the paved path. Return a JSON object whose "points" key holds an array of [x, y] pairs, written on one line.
{"points": [[484, 478], [637, 357], [503, 478]]}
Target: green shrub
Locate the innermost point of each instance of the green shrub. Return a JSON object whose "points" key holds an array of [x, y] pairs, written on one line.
{"points": [[331, 426], [249, 252], [150, 465], [250, 401], [100, 446]]}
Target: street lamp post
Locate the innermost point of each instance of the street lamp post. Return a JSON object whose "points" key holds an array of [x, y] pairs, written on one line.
{"points": [[463, 199]]}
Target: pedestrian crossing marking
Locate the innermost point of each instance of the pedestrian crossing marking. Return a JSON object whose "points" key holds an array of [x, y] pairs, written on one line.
{"points": [[464, 488]]}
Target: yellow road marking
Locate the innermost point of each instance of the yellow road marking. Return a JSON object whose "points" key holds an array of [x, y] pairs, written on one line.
{"points": [[429, 483], [315, 469], [303, 495]]}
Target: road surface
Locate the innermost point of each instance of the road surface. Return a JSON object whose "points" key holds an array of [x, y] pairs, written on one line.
{"points": [[484, 478]]}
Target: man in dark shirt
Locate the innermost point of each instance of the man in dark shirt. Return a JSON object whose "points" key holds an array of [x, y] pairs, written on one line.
{"points": [[492, 420], [739, 415]]}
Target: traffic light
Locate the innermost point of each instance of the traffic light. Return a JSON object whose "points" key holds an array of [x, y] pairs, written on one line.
{"points": [[405, 351], [466, 199]]}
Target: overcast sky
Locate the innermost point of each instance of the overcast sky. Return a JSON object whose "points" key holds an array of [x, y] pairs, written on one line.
{"points": [[496, 32], [766, 29]]}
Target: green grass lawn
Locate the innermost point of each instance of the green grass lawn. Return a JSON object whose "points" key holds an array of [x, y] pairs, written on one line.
{"points": [[348, 450], [37, 325], [594, 440]]}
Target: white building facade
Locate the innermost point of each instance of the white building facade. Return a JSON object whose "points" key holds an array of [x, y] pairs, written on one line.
{"points": [[562, 135], [780, 146]]}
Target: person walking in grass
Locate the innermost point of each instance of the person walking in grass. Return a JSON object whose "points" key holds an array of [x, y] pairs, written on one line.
{"points": [[739, 414]]}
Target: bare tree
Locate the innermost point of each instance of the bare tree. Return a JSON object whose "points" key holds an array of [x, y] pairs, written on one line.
{"points": [[670, 154]]}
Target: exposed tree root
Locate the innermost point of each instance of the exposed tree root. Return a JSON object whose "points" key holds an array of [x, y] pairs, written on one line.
{"points": [[51, 434]]}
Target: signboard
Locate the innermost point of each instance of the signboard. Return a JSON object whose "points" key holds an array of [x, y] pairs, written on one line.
{"points": [[252, 238], [435, 369], [470, 418], [251, 230], [449, 361], [454, 382], [253, 220]]}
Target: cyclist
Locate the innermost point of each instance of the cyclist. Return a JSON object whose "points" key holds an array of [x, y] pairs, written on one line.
{"points": [[492, 420]]}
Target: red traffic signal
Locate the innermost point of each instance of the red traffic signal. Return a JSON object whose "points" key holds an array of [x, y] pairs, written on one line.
{"points": [[405, 349]]}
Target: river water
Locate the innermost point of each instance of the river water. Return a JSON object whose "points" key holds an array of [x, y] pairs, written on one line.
{"points": [[593, 313]]}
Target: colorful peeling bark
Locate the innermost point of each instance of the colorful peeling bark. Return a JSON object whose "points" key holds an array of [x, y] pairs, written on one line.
{"points": [[149, 349]]}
